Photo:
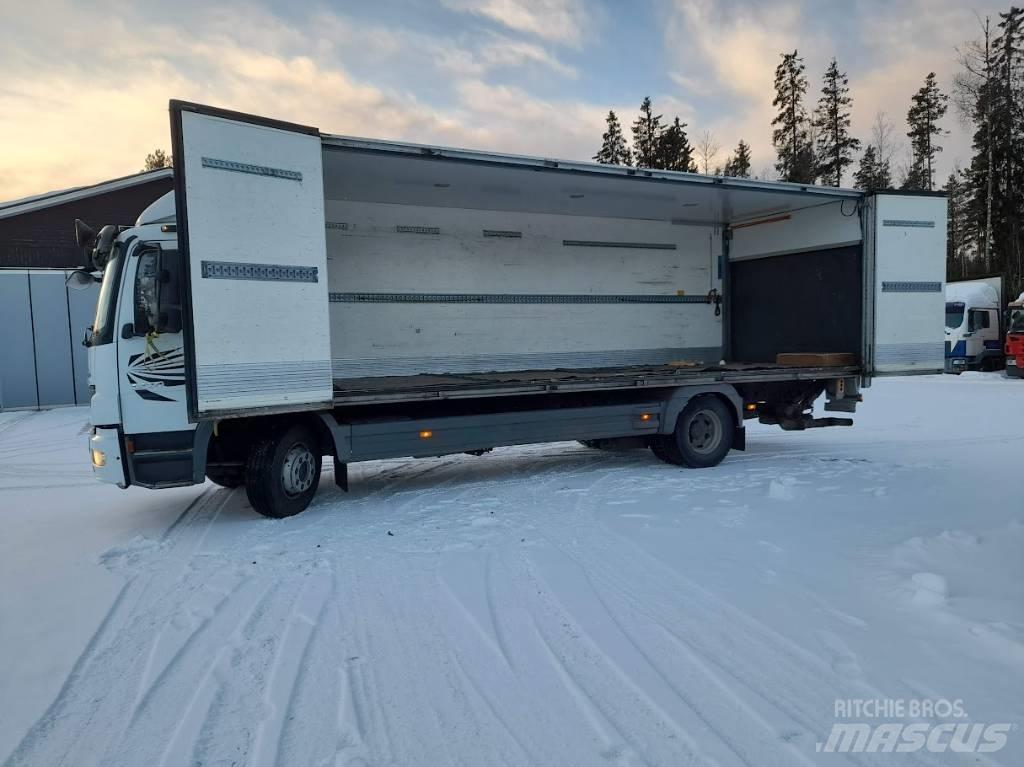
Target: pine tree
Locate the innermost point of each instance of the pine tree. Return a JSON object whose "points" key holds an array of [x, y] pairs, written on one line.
{"points": [[673, 151], [959, 239], [157, 159], [872, 173], [867, 175], [738, 165], [927, 107], [614, 150], [790, 124], [646, 134], [914, 177], [974, 89], [835, 146], [1007, 97]]}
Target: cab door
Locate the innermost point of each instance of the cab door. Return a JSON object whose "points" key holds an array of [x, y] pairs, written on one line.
{"points": [[151, 367], [250, 224]]}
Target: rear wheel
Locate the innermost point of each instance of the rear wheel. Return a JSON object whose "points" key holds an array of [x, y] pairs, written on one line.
{"points": [[282, 472], [702, 437]]}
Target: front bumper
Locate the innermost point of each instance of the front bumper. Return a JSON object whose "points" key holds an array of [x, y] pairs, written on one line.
{"points": [[956, 364], [1013, 370], [105, 454]]}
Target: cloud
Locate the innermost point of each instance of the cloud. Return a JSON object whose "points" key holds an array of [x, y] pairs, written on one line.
{"points": [[730, 50], [558, 21], [723, 56], [97, 110]]}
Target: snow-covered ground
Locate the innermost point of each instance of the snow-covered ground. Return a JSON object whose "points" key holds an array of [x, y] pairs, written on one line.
{"points": [[543, 605]]}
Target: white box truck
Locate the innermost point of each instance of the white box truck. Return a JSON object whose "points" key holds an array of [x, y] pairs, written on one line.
{"points": [[303, 295]]}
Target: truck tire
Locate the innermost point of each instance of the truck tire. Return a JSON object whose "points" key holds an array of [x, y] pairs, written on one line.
{"points": [[702, 437], [282, 473], [226, 476]]}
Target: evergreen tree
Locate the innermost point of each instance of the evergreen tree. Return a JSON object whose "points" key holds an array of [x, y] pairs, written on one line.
{"points": [[959, 240], [872, 173], [614, 150], [157, 159], [673, 151], [790, 124], [915, 176], [738, 165], [1007, 158], [927, 107], [975, 87], [646, 135], [835, 146]]}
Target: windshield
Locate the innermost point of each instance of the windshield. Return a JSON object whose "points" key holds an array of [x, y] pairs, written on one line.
{"points": [[1017, 321], [954, 315], [106, 303]]}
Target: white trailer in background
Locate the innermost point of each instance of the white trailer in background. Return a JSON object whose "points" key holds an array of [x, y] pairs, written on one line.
{"points": [[974, 327], [303, 295]]}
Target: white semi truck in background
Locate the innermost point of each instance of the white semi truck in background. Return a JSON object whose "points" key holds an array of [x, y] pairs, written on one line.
{"points": [[974, 324], [303, 295]]}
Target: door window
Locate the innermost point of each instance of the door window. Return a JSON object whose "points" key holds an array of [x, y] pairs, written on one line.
{"points": [[977, 320]]}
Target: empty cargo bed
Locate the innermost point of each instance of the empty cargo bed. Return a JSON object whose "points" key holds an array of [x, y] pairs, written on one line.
{"points": [[496, 384]]}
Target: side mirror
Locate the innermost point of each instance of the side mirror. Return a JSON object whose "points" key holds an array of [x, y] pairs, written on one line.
{"points": [[104, 243], [80, 279], [85, 235], [157, 292]]}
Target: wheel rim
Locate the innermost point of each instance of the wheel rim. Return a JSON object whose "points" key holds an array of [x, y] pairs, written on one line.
{"points": [[704, 433], [297, 470]]}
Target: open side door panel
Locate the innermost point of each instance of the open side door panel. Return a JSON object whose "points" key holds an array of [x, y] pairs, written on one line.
{"points": [[250, 214], [909, 277]]}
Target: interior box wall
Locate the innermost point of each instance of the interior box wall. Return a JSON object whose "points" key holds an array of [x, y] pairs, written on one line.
{"points": [[827, 225], [801, 302], [380, 248]]}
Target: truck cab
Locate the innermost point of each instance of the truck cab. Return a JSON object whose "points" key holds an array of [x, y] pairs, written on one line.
{"points": [[135, 345], [1015, 339], [973, 337]]}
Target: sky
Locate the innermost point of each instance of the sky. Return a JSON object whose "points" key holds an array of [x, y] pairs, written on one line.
{"points": [[85, 86]]}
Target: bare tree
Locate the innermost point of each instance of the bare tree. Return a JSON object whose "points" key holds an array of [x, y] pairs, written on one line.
{"points": [[708, 147], [881, 138], [976, 59]]}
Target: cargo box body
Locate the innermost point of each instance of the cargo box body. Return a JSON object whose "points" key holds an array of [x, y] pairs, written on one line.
{"points": [[322, 266]]}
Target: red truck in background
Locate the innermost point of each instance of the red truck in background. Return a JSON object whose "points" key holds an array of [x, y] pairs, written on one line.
{"points": [[1015, 338]]}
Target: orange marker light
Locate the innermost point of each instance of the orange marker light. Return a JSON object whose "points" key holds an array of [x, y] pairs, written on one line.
{"points": [[751, 406], [426, 434], [645, 416]]}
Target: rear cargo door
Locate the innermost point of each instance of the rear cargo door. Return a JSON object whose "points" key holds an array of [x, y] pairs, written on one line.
{"points": [[907, 283], [250, 218]]}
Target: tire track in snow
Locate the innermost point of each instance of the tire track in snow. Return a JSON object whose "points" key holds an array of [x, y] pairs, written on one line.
{"points": [[97, 697], [731, 644], [316, 727]]}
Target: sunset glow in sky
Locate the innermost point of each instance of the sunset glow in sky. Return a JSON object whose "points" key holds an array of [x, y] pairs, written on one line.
{"points": [[85, 86]]}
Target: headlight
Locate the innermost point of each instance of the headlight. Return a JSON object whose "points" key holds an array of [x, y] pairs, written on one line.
{"points": [[99, 458]]}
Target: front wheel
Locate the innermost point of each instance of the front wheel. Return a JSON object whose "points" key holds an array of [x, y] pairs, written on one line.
{"points": [[702, 437], [282, 472]]}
